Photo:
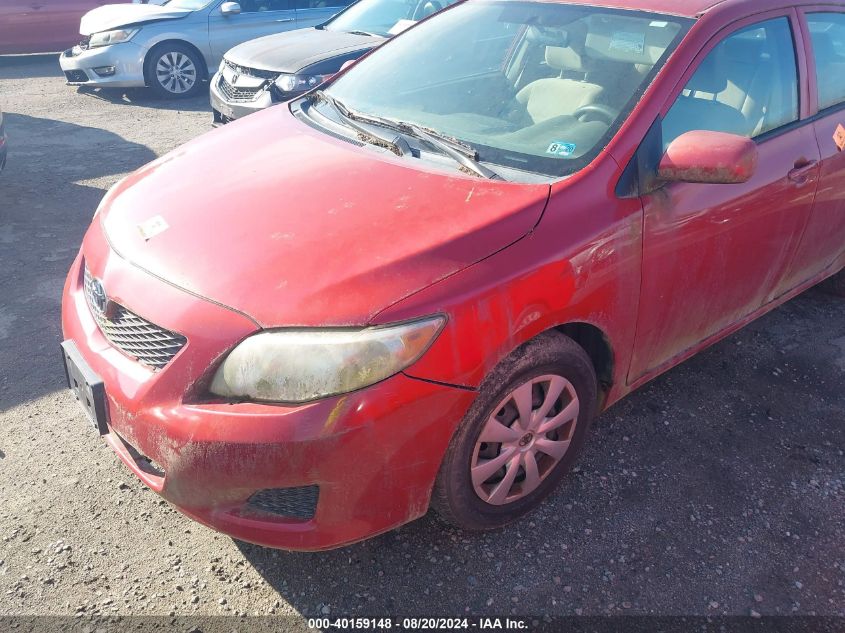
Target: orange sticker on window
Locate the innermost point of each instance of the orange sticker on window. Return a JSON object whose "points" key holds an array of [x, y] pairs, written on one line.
{"points": [[839, 137]]}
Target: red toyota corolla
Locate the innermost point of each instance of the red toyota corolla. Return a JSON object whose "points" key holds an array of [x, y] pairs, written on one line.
{"points": [[418, 285]]}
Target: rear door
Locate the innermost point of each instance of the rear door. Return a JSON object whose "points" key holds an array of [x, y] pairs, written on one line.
{"points": [[824, 240], [256, 19], [714, 254], [16, 34], [314, 12]]}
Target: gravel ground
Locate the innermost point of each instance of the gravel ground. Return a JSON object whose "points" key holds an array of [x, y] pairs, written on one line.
{"points": [[717, 489]]}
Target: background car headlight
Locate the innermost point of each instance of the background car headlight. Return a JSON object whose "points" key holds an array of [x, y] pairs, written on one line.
{"points": [[107, 38], [299, 83], [302, 365]]}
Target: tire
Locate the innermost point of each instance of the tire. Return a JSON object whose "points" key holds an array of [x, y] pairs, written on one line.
{"points": [[551, 358], [174, 71], [835, 285]]}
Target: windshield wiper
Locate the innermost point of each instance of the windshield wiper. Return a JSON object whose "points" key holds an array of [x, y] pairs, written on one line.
{"points": [[397, 144], [466, 156]]}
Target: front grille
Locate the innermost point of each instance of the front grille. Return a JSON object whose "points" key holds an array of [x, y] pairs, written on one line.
{"points": [[136, 337], [234, 94], [297, 503], [76, 76], [252, 72]]}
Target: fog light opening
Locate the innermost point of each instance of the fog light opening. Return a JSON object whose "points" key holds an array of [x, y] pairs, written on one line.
{"points": [[105, 71], [295, 503]]}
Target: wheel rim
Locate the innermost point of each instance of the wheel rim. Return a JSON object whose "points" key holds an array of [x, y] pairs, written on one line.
{"points": [[176, 72], [524, 439]]}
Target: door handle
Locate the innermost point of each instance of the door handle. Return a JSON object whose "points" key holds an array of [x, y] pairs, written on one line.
{"points": [[286, 20], [801, 172]]}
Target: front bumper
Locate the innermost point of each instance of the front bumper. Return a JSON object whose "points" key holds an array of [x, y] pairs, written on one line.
{"points": [[226, 110], [87, 67], [372, 455]]}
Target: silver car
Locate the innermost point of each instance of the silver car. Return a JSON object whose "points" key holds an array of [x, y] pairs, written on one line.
{"points": [[171, 47]]}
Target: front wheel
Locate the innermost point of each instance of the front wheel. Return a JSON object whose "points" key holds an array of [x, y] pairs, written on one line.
{"points": [[174, 71], [520, 437]]}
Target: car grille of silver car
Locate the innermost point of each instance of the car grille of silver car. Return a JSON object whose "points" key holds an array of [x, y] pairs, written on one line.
{"points": [[252, 72], [234, 94], [136, 337], [237, 94]]}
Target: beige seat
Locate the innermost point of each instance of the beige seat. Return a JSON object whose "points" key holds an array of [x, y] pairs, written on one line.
{"points": [[556, 96]]}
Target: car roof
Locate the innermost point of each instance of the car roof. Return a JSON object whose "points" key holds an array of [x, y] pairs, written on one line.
{"points": [[687, 8]]}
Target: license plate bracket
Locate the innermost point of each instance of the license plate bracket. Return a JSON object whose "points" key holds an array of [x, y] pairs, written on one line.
{"points": [[87, 386]]}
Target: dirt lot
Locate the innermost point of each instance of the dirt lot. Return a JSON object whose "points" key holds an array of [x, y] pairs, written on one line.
{"points": [[717, 489]]}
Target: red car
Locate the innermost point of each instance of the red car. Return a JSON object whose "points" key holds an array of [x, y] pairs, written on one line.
{"points": [[42, 26], [414, 289]]}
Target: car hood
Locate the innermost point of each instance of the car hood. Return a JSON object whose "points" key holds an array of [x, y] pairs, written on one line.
{"points": [[297, 228], [112, 16], [292, 51]]}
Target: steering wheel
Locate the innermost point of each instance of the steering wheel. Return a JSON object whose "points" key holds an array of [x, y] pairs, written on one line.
{"points": [[603, 112]]}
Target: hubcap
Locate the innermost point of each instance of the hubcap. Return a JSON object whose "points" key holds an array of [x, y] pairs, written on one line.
{"points": [[176, 72], [526, 437]]}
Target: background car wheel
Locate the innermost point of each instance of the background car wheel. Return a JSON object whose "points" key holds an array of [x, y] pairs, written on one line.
{"points": [[174, 71], [520, 437], [835, 285]]}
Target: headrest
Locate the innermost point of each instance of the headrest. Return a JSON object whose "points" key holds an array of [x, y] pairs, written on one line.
{"points": [[569, 54], [744, 50], [711, 76], [629, 40], [824, 47], [564, 59]]}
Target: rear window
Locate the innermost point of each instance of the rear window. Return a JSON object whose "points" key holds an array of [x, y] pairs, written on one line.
{"points": [[827, 33]]}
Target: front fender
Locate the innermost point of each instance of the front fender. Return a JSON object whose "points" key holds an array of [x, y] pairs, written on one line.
{"points": [[581, 264]]}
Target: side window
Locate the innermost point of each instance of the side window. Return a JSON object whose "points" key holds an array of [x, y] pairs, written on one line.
{"points": [[827, 32], [258, 6], [747, 85], [321, 4]]}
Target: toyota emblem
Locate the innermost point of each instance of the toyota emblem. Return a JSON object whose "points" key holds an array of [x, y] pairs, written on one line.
{"points": [[98, 296]]}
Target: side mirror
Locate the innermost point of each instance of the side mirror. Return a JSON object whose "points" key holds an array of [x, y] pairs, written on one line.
{"points": [[347, 64], [709, 157], [230, 8]]}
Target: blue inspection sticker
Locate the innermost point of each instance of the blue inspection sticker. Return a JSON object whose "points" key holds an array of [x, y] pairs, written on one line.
{"points": [[561, 149]]}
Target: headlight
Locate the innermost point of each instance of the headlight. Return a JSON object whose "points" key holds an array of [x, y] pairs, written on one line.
{"points": [[222, 66], [299, 83], [107, 38], [301, 365]]}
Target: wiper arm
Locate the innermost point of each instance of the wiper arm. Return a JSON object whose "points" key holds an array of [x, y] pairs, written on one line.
{"points": [[467, 156], [397, 144], [463, 154]]}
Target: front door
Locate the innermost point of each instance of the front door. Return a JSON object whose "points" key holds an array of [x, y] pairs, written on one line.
{"points": [[256, 19], [713, 254]]}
